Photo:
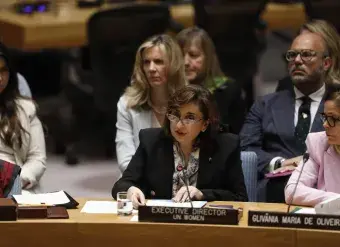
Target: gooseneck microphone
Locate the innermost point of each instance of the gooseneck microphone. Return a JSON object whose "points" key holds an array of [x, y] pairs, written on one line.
{"points": [[186, 181], [305, 159]]}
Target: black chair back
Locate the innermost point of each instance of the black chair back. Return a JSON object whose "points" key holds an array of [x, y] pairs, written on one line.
{"points": [[232, 26], [114, 36]]}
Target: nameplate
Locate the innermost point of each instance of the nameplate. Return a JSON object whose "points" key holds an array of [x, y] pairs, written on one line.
{"points": [[310, 221], [188, 215]]}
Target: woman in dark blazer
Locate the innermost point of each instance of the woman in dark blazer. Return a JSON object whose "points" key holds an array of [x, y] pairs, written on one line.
{"points": [[202, 67], [190, 147]]}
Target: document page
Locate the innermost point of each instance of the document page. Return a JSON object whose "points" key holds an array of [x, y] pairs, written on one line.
{"points": [[49, 199], [170, 203]]}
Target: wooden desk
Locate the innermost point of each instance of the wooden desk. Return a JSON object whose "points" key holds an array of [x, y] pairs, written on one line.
{"points": [[87, 230], [68, 29]]}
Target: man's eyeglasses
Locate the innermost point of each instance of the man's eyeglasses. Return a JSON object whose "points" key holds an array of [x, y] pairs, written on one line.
{"points": [[331, 121], [306, 55], [187, 120]]}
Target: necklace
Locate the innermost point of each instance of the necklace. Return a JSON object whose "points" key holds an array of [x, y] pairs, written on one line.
{"points": [[159, 110]]}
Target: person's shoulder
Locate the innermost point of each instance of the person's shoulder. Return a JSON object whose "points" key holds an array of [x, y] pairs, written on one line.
{"points": [[151, 134], [276, 95], [227, 139], [318, 140], [27, 105]]}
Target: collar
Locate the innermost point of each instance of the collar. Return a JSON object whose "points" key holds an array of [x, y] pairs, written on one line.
{"points": [[316, 96]]}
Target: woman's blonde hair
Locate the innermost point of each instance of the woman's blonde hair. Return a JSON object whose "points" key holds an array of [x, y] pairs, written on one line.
{"points": [[139, 92], [212, 67], [332, 41]]}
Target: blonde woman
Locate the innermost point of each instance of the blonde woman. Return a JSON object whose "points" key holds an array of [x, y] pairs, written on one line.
{"points": [[202, 67], [158, 72]]}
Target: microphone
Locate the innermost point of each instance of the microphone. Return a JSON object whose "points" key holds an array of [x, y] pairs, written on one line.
{"points": [[304, 160], [185, 180]]}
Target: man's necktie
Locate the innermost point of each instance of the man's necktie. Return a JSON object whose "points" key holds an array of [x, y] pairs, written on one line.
{"points": [[303, 124]]}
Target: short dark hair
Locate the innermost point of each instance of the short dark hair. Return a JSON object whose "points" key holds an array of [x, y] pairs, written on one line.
{"points": [[200, 96]]}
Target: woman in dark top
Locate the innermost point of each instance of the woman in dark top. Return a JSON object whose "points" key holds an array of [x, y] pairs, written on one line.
{"points": [[190, 147], [202, 67]]}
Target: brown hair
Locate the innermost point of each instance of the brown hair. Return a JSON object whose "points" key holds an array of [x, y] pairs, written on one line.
{"points": [[11, 130], [212, 67], [332, 42], [139, 92], [333, 94], [195, 94]]}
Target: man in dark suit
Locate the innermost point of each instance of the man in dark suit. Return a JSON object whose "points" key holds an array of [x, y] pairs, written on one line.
{"points": [[277, 124]]}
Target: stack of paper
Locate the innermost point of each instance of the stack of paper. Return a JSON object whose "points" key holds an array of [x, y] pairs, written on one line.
{"points": [[170, 203], [48, 199], [100, 207], [305, 211]]}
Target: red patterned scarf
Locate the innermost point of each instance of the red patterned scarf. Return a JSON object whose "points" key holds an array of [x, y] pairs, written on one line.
{"points": [[8, 174]]}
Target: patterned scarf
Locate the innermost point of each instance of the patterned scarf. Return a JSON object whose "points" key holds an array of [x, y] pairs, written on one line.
{"points": [[191, 171], [8, 174]]}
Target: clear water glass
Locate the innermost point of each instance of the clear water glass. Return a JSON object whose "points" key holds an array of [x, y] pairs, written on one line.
{"points": [[124, 205]]}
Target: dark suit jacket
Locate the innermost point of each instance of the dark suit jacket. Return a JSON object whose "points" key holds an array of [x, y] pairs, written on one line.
{"points": [[220, 175], [285, 84], [231, 105], [269, 128]]}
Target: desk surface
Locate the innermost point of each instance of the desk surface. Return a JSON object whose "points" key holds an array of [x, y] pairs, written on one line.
{"points": [[110, 230], [68, 28]]}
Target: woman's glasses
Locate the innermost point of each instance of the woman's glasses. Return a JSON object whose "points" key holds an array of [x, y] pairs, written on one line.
{"points": [[331, 121], [187, 120]]}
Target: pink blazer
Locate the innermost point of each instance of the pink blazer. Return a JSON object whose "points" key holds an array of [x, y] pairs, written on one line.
{"points": [[320, 178]]}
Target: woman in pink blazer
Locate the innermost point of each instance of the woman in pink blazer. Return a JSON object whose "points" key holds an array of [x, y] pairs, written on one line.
{"points": [[320, 178]]}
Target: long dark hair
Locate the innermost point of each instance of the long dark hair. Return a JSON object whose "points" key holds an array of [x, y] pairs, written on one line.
{"points": [[10, 126]]}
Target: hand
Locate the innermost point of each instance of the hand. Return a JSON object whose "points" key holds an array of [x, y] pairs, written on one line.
{"points": [[182, 194], [25, 183], [284, 169], [292, 162], [136, 196]]}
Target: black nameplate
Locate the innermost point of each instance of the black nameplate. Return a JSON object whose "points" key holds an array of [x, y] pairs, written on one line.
{"points": [[188, 215], [310, 221]]}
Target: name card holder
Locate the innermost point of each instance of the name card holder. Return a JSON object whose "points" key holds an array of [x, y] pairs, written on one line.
{"points": [[223, 216], [309, 221], [8, 210]]}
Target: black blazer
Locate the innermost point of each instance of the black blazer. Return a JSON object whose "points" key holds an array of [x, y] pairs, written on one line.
{"points": [[231, 105], [220, 176]]}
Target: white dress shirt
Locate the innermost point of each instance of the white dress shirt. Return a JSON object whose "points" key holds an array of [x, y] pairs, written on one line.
{"points": [[316, 99]]}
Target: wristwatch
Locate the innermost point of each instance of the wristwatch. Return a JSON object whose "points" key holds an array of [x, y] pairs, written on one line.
{"points": [[278, 163]]}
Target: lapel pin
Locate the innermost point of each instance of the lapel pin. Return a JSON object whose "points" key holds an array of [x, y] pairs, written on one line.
{"points": [[304, 115]]}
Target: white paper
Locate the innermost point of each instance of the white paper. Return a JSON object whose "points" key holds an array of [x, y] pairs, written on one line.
{"points": [[134, 218], [170, 203], [306, 211], [54, 198], [100, 207]]}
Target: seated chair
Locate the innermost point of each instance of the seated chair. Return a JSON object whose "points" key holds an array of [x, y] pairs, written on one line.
{"points": [[114, 36], [249, 166]]}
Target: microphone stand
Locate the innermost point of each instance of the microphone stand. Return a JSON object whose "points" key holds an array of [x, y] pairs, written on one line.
{"points": [[305, 159]]}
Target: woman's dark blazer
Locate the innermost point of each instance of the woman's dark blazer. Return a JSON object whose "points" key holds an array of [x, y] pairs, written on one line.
{"points": [[220, 176]]}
